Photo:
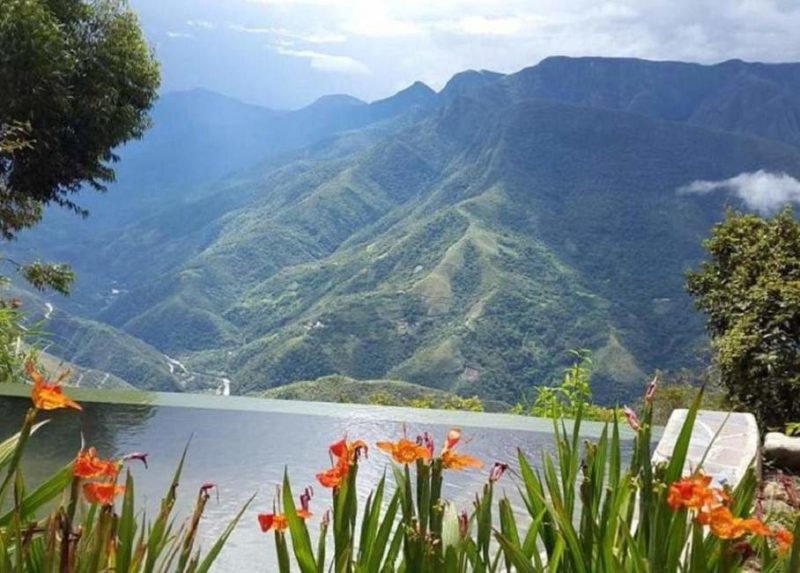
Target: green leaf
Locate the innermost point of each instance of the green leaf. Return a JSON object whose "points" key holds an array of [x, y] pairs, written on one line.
{"points": [[213, 553], [42, 495], [301, 542], [521, 563], [127, 527]]}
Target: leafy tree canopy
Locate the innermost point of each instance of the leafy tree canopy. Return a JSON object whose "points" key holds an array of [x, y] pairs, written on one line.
{"points": [[750, 291], [76, 80]]}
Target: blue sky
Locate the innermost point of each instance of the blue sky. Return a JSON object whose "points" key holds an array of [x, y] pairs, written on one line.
{"points": [[286, 53]]}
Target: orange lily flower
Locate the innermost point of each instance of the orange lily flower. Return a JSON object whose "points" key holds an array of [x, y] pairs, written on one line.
{"points": [[348, 450], [692, 492], [756, 527], [333, 477], [279, 521], [272, 521], [722, 523], [785, 539], [48, 395], [404, 451], [102, 492], [455, 461], [725, 526], [88, 465]]}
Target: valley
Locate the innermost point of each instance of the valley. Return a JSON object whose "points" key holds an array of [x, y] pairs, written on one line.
{"points": [[463, 240]]}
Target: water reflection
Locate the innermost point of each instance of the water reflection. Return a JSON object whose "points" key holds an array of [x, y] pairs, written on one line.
{"points": [[246, 452], [55, 443]]}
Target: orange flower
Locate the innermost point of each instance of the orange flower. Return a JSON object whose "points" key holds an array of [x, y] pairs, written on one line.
{"points": [[453, 437], [455, 461], [348, 450], [692, 492], [785, 539], [272, 521], [102, 492], [48, 395], [725, 526], [404, 451], [330, 478], [333, 477], [88, 465], [278, 521], [756, 527]]}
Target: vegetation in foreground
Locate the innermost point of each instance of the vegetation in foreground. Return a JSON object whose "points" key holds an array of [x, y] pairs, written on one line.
{"points": [[84, 518], [749, 290], [638, 518], [73, 521]]}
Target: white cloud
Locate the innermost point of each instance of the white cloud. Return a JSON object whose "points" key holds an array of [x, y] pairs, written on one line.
{"points": [[179, 35], [374, 22], [311, 38], [205, 24], [326, 62], [249, 30], [761, 191], [485, 26]]}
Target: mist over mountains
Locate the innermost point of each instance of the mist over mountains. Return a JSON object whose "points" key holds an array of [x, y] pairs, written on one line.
{"points": [[463, 240]]}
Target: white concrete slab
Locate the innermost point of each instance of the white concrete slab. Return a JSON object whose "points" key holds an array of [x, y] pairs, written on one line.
{"points": [[731, 440]]}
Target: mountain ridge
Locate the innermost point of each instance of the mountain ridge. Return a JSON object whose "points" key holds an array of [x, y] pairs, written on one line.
{"points": [[463, 240]]}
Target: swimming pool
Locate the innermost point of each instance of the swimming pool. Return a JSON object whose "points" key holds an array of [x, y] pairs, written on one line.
{"points": [[242, 445]]}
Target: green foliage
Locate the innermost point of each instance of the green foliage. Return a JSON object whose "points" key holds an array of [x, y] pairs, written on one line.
{"points": [[41, 276], [76, 81], [342, 389], [680, 389], [571, 397], [750, 291], [13, 337], [589, 507]]}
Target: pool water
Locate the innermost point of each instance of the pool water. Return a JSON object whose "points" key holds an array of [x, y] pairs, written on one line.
{"points": [[243, 445]]}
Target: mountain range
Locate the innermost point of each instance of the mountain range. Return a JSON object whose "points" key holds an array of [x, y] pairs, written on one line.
{"points": [[464, 240]]}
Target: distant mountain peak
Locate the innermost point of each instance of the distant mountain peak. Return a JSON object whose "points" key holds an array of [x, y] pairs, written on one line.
{"points": [[417, 94], [417, 88], [332, 101], [468, 80]]}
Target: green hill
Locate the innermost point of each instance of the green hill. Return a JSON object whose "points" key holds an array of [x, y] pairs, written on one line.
{"points": [[342, 389], [462, 241]]}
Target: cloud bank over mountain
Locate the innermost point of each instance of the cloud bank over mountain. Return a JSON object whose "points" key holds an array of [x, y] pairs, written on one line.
{"points": [[761, 191]]}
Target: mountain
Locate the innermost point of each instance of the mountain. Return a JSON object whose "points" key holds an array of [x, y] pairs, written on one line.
{"points": [[758, 99], [465, 82], [464, 240]]}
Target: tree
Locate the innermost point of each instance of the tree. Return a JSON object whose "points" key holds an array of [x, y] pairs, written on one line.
{"points": [[77, 79], [750, 291]]}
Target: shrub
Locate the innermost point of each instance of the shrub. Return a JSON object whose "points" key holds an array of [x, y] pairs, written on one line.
{"points": [[565, 400], [749, 290]]}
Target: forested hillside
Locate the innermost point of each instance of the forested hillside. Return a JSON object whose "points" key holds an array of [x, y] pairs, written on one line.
{"points": [[463, 240]]}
